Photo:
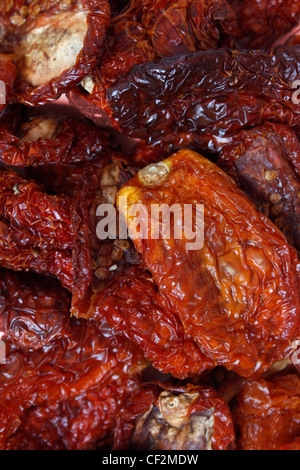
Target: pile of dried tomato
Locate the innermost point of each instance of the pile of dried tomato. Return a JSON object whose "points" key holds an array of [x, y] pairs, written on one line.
{"points": [[149, 340]]}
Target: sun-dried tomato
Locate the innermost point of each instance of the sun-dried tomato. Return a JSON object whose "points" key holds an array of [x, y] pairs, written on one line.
{"points": [[89, 421], [42, 218], [50, 138], [262, 22], [58, 235], [33, 309], [181, 418], [210, 95], [104, 286], [35, 229], [60, 179], [56, 44], [133, 307], [269, 413], [68, 395], [237, 296], [149, 29], [265, 162]]}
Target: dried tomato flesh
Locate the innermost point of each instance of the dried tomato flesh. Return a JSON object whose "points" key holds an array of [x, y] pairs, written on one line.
{"points": [[33, 309], [149, 29], [262, 22], [87, 422], [265, 162], [183, 417], [237, 296], [133, 307], [107, 279], [51, 139], [78, 380], [56, 44], [210, 95], [269, 413], [36, 230]]}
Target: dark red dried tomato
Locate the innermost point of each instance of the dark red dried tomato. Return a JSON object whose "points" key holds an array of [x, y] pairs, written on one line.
{"points": [[51, 138], [56, 44], [42, 218], [269, 413], [60, 179], [143, 154], [149, 29], [210, 95], [265, 162], [68, 395], [262, 22], [57, 234], [33, 309], [87, 422], [181, 418], [133, 307], [35, 229], [237, 296], [67, 179]]}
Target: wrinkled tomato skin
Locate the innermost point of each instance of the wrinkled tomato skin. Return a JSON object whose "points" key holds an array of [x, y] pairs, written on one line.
{"points": [[50, 139], [268, 413], [203, 103], [148, 30], [38, 238], [263, 22], [265, 162], [85, 423], [227, 293], [82, 378], [132, 307], [33, 309]]}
